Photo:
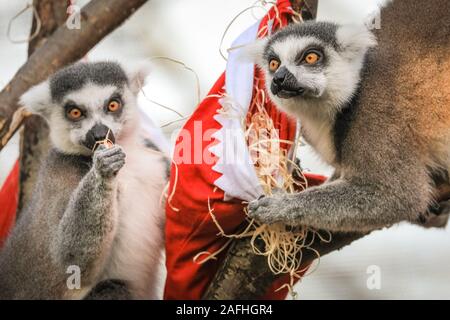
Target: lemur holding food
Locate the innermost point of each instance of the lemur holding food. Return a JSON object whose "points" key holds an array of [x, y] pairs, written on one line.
{"points": [[96, 205]]}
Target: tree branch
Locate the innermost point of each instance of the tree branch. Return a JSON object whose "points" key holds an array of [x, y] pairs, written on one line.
{"points": [[34, 138], [64, 46], [245, 275]]}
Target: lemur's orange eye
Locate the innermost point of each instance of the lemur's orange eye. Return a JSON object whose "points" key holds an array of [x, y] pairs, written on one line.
{"points": [[274, 65], [74, 114], [114, 106], [312, 58]]}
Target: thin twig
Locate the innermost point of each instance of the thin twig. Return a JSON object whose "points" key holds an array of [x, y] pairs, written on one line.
{"points": [[34, 34]]}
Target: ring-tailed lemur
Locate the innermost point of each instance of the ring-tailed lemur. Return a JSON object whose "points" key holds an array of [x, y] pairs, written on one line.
{"points": [[379, 114], [93, 212]]}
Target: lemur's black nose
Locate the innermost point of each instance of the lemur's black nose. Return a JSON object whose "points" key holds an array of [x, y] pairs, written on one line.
{"points": [[285, 85], [280, 77], [98, 132]]}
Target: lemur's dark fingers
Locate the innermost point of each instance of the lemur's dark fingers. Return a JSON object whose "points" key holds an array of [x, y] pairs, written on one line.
{"points": [[111, 169], [114, 158], [99, 147], [261, 210], [110, 152], [117, 165]]}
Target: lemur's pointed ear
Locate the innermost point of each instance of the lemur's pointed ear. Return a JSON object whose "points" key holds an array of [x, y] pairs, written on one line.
{"points": [[355, 40], [37, 99], [137, 75], [252, 52]]}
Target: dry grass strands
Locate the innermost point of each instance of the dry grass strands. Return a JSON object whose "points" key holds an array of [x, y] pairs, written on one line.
{"points": [[107, 143], [282, 245]]}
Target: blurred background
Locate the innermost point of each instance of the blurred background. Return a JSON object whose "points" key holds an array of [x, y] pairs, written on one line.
{"points": [[412, 263]]}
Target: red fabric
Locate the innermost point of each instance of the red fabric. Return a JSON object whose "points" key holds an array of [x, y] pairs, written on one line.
{"points": [[9, 196], [189, 227]]}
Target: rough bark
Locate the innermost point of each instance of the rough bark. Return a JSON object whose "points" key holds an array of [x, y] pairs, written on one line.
{"points": [[246, 276], [34, 138], [64, 46]]}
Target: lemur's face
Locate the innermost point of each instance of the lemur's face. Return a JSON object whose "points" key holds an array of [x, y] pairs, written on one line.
{"points": [[85, 103], [314, 62]]}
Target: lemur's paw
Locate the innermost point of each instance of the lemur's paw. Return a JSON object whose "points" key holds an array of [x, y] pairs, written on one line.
{"points": [[108, 162], [269, 210]]}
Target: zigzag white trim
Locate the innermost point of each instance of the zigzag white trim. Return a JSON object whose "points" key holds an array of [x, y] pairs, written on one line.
{"points": [[238, 176]]}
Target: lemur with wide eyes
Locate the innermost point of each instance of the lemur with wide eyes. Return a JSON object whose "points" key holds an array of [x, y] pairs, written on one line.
{"points": [[375, 106], [99, 211]]}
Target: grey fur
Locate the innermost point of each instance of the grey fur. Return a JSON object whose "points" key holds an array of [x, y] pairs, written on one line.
{"points": [[74, 77], [110, 290], [151, 145], [77, 228], [387, 138], [324, 31], [32, 261]]}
